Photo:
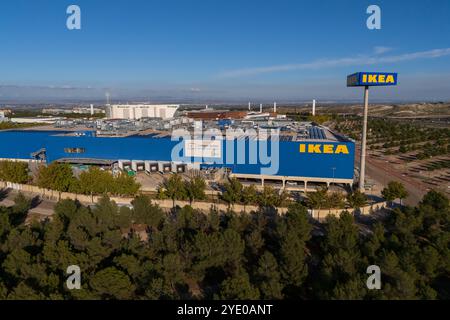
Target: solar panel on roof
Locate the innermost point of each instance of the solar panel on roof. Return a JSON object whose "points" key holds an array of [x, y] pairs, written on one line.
{"points": [[322, 136], [316, 133]]}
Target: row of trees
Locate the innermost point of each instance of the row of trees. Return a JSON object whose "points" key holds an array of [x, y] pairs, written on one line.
{"points": [[60, 177], [14, 171], [234, 192], [7, 125], [432, 150], [176, 188], [388, 133], [323, 199], [94, 181], [221, 255]]}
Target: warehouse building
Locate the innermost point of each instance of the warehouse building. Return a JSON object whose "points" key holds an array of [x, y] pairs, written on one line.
{"points": [[138, 111], [314, 155]]}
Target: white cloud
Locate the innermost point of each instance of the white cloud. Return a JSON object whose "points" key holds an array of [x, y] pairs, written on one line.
{"points": [[339, 62], [381, 49]]}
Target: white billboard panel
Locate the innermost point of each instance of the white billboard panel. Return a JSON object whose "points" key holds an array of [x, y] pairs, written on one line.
{"points": [[203, 148]]}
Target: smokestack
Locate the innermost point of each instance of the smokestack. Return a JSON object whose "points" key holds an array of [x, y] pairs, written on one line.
{"points": [[249, 106], [260, 108], [275, 107], [314, 108], [107, 98], [206, 106], [92, 109]]}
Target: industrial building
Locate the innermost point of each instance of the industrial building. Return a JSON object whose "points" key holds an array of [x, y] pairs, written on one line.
{"points": [[34, 120], [207, 114], [306, 153], [76, 110], [138, 111]]}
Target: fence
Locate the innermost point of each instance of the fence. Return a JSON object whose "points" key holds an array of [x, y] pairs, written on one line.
{"points": [[168, 204]]}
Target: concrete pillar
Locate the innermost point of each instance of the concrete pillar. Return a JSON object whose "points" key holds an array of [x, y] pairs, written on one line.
{"points": [[362, 171], [262, 182]]}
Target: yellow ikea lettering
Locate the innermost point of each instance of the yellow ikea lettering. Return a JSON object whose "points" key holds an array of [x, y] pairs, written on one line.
{"points": [[302, 148], [342, 148], [372, 78], [390, 79], [382, 78], [364, 78], [314, 148], [328, 148]]}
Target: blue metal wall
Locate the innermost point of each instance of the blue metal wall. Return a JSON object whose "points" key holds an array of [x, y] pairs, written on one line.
{"points": [[20, 144]]}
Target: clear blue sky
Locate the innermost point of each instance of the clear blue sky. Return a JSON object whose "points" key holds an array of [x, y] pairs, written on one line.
{"points": [[222, 49]]}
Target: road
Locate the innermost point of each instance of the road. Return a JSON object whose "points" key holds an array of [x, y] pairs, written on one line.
{"points": [[382, 172], [42, 207]]}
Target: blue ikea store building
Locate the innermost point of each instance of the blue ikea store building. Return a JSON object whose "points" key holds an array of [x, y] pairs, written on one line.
{"points": [[309, 160]]}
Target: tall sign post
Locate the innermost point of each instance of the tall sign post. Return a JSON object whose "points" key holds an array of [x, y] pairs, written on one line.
{"points": [[366, 80]]}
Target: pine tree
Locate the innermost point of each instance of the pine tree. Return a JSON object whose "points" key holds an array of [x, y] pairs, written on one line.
{"points": [[268, 277], [111, 283]]}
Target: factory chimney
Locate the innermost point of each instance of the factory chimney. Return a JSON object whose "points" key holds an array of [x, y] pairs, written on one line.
{"points": [[92, 109], [275, 107], [249, 106], [260, 108], [314, 108], [206, 106], [107, 98]]}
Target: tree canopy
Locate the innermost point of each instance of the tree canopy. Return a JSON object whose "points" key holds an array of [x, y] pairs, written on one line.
{"points": [[143, 252], [14, 171]]}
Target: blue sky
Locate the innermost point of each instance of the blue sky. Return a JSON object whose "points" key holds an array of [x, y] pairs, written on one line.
{"points": [[222, 49]]}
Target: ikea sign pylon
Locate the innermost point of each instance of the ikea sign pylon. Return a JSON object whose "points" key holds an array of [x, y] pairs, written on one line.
{"points": [[362, 79], [366, 80]]}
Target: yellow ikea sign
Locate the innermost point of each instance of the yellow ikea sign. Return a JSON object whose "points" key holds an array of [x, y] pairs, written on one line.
{"points": [[367, 79], [324, 148], [378, 78]]}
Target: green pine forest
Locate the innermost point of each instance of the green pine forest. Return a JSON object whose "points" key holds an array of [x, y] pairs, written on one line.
{"points": [[147, 253]]}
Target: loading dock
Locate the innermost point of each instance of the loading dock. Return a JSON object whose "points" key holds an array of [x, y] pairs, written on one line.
{"points": [[151, 166], [138, 165]]}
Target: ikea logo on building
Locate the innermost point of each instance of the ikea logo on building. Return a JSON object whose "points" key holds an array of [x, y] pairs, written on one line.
{"points": [[360, 79], [324, 148]]}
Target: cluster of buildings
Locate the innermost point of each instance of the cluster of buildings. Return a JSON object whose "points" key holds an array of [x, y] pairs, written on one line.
{"points": [[139, 111], [4, 113], [76, 110], [141, 137]]}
